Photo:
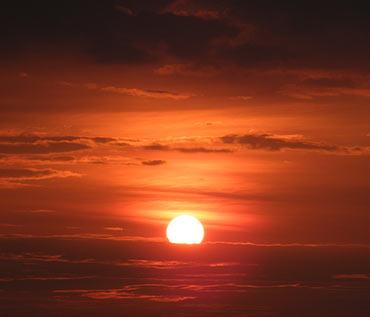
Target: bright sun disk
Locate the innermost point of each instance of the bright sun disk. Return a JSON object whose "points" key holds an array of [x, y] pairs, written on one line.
{"points": [[185, 229]]}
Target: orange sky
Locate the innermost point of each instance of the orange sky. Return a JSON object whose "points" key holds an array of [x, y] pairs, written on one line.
{"points": [[116, 117]]}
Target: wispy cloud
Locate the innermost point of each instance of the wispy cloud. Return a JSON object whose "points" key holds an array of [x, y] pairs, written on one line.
{"points": [[19, 177], [41, 148], [241, 98], [186, 70], [196, 10], [145, 93], [39, 211], [113, 229], [352, 276], [41, 144], [124, 293], [48, 278], [333, 86], [291, 245], [271, 142], [162, 292], [83, 236], [274, 143], [33, 174], [183, 149], [158, 264]]}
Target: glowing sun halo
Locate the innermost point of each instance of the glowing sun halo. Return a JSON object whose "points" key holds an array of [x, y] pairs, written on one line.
{"points": [[185, 229]]}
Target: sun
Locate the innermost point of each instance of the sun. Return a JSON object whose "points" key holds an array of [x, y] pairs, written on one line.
{"points": [[185, 229]]}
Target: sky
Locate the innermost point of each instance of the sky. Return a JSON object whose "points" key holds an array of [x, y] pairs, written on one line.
{"points": [[117, 116]]}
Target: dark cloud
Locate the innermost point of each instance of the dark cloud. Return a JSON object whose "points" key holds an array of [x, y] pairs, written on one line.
{"points": [[11, 173], [153, 162], [91, 25], [202, 150], [35, 144], [32, 138], [305, 34], [157, 147], [53, 158], [23, 173], [27, 148], [274, 143], [248, 33], [106, 31], [311, 88], [162, 147], [103, 140]]}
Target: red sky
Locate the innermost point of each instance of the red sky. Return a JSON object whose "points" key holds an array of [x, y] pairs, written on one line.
{"points": [[252, 116]]}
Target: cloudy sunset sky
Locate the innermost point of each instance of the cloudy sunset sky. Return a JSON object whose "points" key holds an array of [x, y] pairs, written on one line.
{"points": [[117, 116]]}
